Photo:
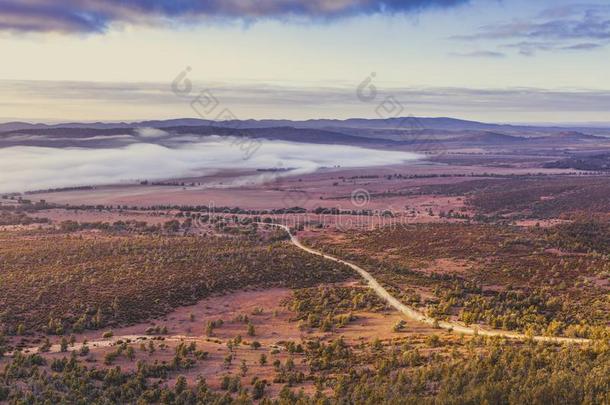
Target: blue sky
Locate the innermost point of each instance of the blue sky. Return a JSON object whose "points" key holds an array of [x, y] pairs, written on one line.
{"points": [[506, 61]]}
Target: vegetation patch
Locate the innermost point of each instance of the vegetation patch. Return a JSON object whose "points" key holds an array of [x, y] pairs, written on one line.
{"points": [[331, 307], [57, 283]]}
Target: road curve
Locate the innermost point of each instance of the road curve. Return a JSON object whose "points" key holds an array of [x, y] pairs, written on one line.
{"points": [[414, 314]]}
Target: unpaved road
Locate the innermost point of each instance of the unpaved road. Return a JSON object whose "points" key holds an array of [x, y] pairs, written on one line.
{"points": [[416, 315]]}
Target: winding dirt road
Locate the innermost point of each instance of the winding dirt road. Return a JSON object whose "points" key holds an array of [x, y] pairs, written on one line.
{"points": [[414, 314], [408, 312]]}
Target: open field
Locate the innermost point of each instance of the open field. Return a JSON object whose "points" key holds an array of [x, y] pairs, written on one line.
{"points": [[274, 324], [325, 188]]}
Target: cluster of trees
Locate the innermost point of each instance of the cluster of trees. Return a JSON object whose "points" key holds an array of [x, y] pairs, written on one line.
{"points": [[436, 370], [338, 211], [110, 279], [117, 226], [599, 163], [481, 371], [24, 380], [19, 218], [543, 198], [497, 374], [60, 190], [330, 307], [452, 214], [533, 311], [514, 310], [585, 235]]}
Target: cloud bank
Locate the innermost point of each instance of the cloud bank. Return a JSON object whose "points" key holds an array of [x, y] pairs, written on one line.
{"points": [[479, 54], [105, 101], [73, 16], [151, 133], [34, 168], [578, 27]]}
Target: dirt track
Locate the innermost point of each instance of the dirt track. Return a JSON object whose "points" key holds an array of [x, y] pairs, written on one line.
{"points": [[416, 315], [408, 312]]}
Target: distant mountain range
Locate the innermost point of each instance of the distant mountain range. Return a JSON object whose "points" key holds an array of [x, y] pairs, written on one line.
{"points": [[402, 123], [392, 132]]}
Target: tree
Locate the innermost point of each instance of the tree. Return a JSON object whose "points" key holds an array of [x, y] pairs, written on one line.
{"points": [[181, 384], [130, 353], [258, 390], [227, 361], [63, 345], [243, 368], [46, 346], [399, 326], [84, 350], [290, 364], [209, 329]]}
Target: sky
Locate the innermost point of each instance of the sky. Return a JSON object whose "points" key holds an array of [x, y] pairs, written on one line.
{"points": [[498, 61]]}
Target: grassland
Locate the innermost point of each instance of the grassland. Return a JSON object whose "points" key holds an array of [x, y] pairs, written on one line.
{"points": [[532, 197], [62, 282], [543, 281]]}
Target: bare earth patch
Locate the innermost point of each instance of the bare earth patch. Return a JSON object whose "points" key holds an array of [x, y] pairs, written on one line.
{"points": [[274, 324]]}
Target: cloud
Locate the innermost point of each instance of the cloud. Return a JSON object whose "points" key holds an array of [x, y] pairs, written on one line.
{"points": [[572, 10], [25, 138], [530, 48], [66, 99], [480, 54], [582, 46], [71, 16], [554, 29], [151, 133], [33, 168]]}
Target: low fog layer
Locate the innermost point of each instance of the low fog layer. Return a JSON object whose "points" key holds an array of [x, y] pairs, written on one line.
{"points": [[26, 168]]}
